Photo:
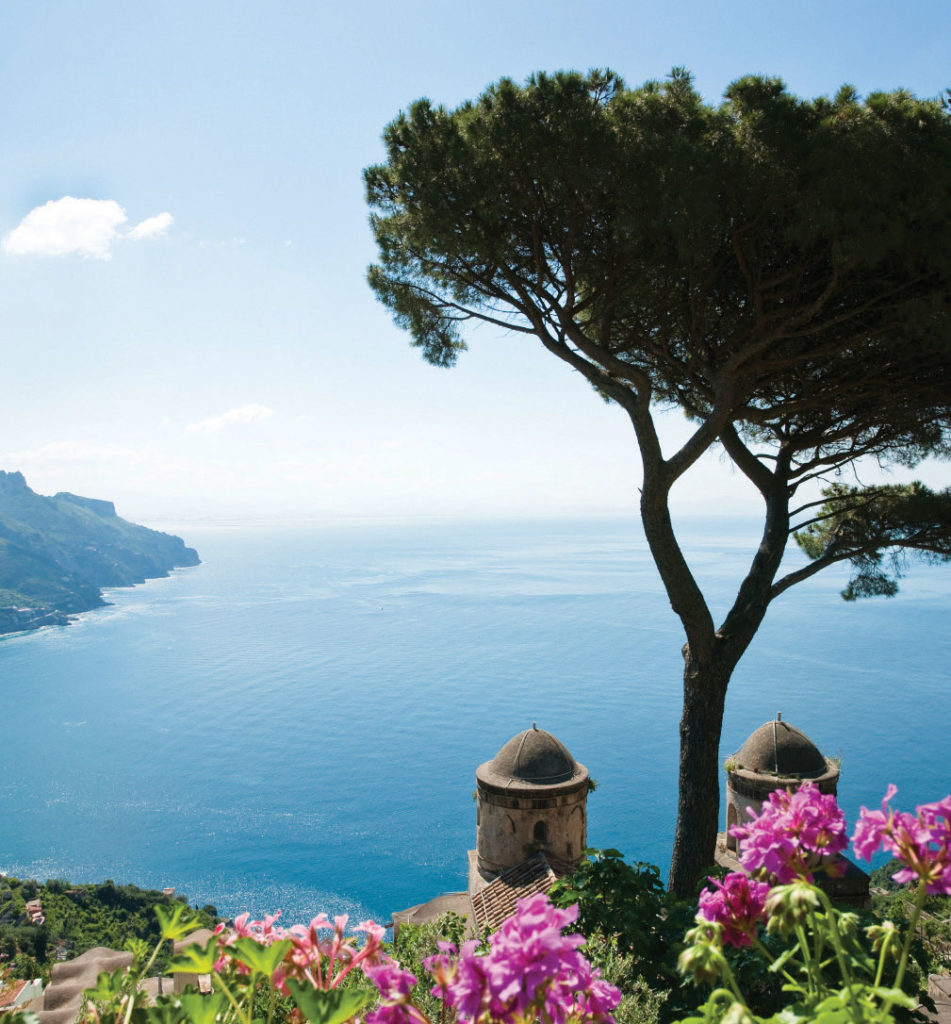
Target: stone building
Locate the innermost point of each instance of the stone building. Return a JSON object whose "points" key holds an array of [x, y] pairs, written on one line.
{"points": [[531, 827], [777, 755], [531, 798]]}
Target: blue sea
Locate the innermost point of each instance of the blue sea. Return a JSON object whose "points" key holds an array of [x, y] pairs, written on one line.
{"points": [[295, 724]]}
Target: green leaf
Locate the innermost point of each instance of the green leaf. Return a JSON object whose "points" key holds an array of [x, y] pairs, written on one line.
{"points": [[896, 996], [837, 1008], [333, 1007], [787, 1015], [196, 959], [175, 926], [109, 987], [793, 987], [263, 959], [838, 1015], [166, 1011], [202, 1009]]}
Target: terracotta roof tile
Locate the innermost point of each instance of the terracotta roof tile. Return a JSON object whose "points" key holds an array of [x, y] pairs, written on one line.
{"points": [[499, 899], [10, 993]]}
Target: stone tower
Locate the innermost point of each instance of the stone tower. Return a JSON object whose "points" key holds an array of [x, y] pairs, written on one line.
{"points": [[776, 756], [531, 797]]}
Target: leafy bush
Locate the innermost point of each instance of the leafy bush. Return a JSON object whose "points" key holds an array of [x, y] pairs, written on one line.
{"points": [[640, 1003], [627, 906], [416, 943], [897, 902]]}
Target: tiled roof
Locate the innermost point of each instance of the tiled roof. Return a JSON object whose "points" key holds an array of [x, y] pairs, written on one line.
{"points": [[499, 899], [10, 993]]}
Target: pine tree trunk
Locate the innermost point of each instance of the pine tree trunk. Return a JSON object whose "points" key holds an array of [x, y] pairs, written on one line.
{"points": [[698, 811]]}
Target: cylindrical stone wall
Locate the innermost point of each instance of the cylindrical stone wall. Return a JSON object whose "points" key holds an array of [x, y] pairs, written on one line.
{"points": [[746, 792], [519, 820]]}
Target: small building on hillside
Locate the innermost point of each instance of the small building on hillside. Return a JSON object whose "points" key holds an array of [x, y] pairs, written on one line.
{"points": [[34, 911], [11, 994]]}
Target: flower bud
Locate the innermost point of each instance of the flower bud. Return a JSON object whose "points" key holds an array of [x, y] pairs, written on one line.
{"points": [[704, 931], [737, 1014], [790, 905], [848, 923], [703, 962], [885, 936]]}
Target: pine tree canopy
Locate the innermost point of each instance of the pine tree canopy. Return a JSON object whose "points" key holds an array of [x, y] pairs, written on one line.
{"points": [[777, 268]]}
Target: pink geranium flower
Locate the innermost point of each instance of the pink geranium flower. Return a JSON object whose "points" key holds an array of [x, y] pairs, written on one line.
{"points": [[265, 932], [532, 969], [396, 988], [922, 841], [738, 904], [792, 833], [872, 827], [323, 960]]}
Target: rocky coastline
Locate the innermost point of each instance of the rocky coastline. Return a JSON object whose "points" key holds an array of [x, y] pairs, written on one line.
{"points": [[58, 552], [17, 620]]}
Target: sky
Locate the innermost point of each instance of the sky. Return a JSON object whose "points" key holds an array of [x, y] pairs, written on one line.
{"points": [[185, 325]]}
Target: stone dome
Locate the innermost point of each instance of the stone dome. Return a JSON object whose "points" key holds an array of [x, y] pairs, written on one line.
{"points": [[533, 758], [778, 748]]}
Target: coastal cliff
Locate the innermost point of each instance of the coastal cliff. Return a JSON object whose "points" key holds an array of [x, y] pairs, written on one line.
{"points": [[57, 552]]}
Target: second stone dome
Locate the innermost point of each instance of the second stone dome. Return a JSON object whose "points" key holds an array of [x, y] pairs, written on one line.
{"points": [[778, 748]]}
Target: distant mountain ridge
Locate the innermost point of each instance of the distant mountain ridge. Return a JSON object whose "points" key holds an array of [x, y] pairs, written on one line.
{"points": [[57, 552]]}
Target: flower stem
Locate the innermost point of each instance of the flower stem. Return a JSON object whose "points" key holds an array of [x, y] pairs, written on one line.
{"points": [[913, 924], [840, 956], [887, 944], [231, 999], [734, 988], [808, 959], [155, 953], [768, 956]]}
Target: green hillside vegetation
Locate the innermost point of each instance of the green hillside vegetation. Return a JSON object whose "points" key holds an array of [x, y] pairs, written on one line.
{"points": [[635, 933], [895, 902], [57, 552], [77, 918]]}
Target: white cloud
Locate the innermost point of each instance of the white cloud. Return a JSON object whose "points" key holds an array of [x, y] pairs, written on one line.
{"points": [[87, 227], [67, 225], [242, 414], [152, 226]]}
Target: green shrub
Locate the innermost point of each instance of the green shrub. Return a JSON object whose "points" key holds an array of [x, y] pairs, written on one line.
{"points": [[415, 942], [628, 904]]}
